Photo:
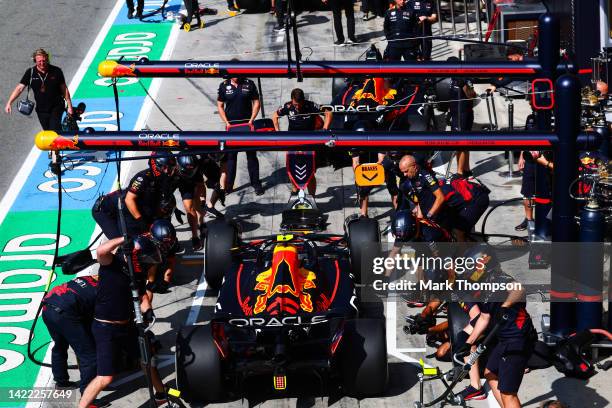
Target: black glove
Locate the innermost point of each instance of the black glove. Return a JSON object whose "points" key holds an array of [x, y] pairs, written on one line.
{"points": [[464, 350], [143, 226], [148, 317]]}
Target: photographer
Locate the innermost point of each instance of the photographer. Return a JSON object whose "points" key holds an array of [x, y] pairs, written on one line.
{"points": [[50, 91]]}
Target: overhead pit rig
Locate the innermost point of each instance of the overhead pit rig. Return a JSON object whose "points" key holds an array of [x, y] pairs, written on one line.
{"points": [[556, 82]]}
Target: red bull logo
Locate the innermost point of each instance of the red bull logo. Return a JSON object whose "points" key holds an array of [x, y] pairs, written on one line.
{"points": [[284, 284], [64, 143], [111, 68]]}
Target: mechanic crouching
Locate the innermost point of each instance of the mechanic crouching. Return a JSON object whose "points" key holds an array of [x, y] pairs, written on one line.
{"points": [[143, 200], [68, 311], [113, 326]]}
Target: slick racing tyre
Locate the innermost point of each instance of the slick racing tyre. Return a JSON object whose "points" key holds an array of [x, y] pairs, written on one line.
{"points": [[253, 6], [199, 371], [221, 237], [363, 358], [364, 246]]}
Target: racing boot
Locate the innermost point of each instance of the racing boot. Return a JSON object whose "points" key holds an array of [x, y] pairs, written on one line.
{"points": [[196, 244], [471, 393], [162, 400]]}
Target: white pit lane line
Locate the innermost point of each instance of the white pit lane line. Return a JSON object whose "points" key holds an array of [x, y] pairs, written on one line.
{"points": [[45, 376]]}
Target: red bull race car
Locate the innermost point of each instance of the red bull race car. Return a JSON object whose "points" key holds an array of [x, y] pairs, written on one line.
{"points": [[288, 310]]}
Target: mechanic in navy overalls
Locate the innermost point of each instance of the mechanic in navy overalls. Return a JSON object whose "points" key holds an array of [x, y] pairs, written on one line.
{"points": [[303, 115], [142, 200], [426, 15], [400, 27], [68, 311], [238, 103], [516, 335], [422, 185]]}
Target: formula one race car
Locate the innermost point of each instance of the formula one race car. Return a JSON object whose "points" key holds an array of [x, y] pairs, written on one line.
{"points": [[287, 310], [382, 103]]}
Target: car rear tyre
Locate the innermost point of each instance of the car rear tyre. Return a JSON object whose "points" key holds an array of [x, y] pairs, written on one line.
{"points": [[364, 246], [199, 373], [221, 237], [363, 358]]}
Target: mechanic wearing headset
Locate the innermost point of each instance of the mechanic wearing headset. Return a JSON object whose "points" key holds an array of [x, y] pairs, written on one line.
{"points": [[113, 316], [302, 114], [516, 335]]}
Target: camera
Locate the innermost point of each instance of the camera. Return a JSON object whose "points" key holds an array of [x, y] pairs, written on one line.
{"points": [[69, 124], [418, 324]]}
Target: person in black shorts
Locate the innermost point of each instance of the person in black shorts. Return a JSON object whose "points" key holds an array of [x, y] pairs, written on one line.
{"points": [[527, 180], [400, 29], [516, 335], [68, 311], [50, 91], [238, 103], [303, 115], [190, 183], [426, 16], [461, 110], [112, 326]]}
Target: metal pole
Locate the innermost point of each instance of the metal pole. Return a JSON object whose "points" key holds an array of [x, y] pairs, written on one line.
{"points": [[563, 266], [452, 10], [467, 17], [510, 173], [440, 26], [549, 44], [478, 22], [591, 254]]}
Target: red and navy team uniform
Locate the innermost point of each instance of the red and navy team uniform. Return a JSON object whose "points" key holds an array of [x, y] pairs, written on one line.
{"points": [[509, 358], [68, 310]]}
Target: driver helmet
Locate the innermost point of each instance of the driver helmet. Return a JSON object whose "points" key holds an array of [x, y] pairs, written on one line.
{"points": [[187, 166], [484, 263], [166, 206], [144, 253], [163, 235], [162, 164], [403, 226]]}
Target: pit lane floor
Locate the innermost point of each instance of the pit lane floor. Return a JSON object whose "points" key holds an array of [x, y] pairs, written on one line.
{"points": [[191, 104]]}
